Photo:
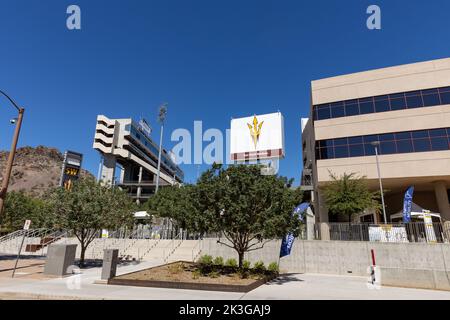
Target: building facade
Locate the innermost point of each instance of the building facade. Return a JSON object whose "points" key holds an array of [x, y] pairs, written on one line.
{"points": [[406, 109], [127, 146]]}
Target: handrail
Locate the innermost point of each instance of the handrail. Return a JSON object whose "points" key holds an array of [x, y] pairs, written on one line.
{"points": [[199, 249], [172, 245]]}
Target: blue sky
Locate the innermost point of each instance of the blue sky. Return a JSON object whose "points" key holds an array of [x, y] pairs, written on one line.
{"points": [[210, 60]]}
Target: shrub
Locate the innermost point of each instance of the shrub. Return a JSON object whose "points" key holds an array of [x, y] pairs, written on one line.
{"points": [[196, 274], [205, 259], [231, 263], [273, 268], [246, 264], [214, 274], [205, 264], [259, 267], [218, 261]]}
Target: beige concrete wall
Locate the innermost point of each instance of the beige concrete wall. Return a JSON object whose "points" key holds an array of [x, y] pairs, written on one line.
{"points": [[428, 165], [409, 77]]}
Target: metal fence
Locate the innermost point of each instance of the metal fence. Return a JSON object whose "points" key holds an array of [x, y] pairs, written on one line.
{"points": [[398, 232]]}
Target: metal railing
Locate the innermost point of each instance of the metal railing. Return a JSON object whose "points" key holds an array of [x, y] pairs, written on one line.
{"points": [[396, 232]]}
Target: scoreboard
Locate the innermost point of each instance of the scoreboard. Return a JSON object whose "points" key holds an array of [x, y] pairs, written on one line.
{"points": [[70, 169]]}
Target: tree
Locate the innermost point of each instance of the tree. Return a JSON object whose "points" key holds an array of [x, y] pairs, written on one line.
{"points": [[349, 195], [248, 208], [20, 207], [178, 204], [89, 207]]}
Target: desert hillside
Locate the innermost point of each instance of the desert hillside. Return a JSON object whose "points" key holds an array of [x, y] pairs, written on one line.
{"points": [[35, 170]]}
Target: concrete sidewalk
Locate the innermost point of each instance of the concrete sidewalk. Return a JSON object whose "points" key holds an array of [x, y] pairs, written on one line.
{"points": [[292, 286]]}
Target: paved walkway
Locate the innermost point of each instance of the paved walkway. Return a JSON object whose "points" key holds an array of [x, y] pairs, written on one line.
{"points": [[294, 286]]}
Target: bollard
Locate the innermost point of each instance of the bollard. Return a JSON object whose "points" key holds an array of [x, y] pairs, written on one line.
{"points": [[110, 258]]}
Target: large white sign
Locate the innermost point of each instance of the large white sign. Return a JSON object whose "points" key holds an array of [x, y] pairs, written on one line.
{"points": [[257, 137], [387, 233]]}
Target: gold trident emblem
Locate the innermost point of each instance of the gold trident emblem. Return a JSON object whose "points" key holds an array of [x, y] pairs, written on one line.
{"points": [[255, 130]]}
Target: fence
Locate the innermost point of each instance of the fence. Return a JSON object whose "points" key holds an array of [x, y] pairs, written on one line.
{"points": [[409, 232]]}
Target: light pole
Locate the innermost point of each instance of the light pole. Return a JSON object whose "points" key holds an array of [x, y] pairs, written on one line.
{"points": [[12, 153], [161, 118], [376, 144]]}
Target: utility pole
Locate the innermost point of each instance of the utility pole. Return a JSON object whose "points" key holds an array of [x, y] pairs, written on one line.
{"points": [[376, 144], [161, 118], [12, 153]]}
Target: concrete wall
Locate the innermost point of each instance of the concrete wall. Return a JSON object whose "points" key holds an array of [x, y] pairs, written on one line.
{"points": [[343, 257]]}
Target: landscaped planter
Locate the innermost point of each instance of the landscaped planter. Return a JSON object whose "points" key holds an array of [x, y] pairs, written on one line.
{"points": [[184, 280]]}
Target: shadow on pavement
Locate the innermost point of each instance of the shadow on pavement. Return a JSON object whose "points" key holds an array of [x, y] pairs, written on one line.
{"points": [[285, 278]]}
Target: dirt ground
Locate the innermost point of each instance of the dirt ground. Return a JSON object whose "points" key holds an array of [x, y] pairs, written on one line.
{"points": [[184, 273], [26, 268]]}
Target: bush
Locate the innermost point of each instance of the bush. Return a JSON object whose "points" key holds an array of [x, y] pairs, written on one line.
{"points": [[259, 267], [218, 261], [273, 268], [205, 264], [205, 259], [196, 274], [246, 264], [214, 274], [231, 263]]}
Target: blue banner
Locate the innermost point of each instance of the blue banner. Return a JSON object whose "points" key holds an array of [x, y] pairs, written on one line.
{"points": [[407, 203], [288, 240]]}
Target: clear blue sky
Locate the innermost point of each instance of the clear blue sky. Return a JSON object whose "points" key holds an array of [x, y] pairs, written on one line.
{"points": [[210, 59]]}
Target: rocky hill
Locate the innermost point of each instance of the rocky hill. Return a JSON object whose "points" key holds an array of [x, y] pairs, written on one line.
{"points": [[35, 170]]}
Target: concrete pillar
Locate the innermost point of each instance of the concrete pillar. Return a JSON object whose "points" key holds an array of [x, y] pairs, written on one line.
{"points": [[139, 189], [108, 169], [323, 216], [440, 191], [110, 259], [60, 259]]}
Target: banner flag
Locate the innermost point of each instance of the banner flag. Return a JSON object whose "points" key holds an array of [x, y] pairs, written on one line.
{"points": [[407, 203], [288, 240]]}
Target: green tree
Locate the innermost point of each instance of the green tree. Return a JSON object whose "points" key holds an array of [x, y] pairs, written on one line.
{"points": [[89, 207], [20, 207], [248, 208], [178, 204], [349, 195]]}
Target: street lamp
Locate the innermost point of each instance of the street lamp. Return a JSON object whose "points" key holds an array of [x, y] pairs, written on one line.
{"points": [[12, 153], [161, 118], [376, 144]]}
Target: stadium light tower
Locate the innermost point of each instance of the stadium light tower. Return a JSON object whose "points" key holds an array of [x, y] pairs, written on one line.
{"points": [[12, 153], [161, 118]]}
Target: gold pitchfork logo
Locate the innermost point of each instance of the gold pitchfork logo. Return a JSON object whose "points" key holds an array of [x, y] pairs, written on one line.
{"points": [[255, 130]]}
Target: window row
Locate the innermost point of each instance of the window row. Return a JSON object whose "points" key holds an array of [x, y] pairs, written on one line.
{"points": [[391, 102], [389, 143]]}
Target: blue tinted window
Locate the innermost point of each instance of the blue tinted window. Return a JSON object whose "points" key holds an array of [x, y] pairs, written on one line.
{"points": [[397, 101], [340, 142], [439, 144], [421, 145], [341, 152], [404, 146], [366, 106], [387, 147], [369, 149], [351, 108], [403, 135], [438, 133], [382, 104], [356, 150], [323, 112], [371, 138], [431, 99], [414, 101], [337, 110], [445, 98], [386, 137], [326, 143], [326, 153], [420, 134], [355, 140]]}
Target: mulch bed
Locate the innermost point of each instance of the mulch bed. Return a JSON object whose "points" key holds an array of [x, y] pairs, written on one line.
{"points": [[182, 275]]}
